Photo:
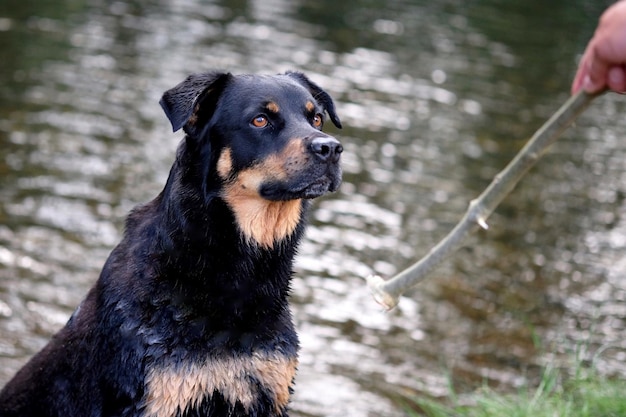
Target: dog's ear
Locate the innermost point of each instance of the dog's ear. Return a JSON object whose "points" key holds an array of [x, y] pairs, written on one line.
{"points": [[191, 103], [320, 95]]}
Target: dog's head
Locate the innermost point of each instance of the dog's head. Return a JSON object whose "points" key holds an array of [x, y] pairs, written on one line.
{"points": [[261, 137]]}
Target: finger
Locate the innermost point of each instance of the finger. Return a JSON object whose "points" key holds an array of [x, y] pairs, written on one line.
{"points": [[616, 79], [597, 72], [577, 84], [581, 73]]}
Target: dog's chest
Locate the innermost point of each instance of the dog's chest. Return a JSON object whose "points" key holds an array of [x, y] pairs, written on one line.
{"points": [[261, 380]]}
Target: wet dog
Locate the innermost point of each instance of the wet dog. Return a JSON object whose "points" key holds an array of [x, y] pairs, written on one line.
{"points": [[190, 315]]}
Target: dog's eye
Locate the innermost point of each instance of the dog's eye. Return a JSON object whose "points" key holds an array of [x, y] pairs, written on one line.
{"points": [[318, 120], [260, 121]]}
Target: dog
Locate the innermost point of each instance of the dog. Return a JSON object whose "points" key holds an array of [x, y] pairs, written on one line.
{"points": [[190, 314]]}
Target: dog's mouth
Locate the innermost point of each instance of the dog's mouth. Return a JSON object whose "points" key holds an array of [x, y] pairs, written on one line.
{"points": [[318, 188], [282, 191]]}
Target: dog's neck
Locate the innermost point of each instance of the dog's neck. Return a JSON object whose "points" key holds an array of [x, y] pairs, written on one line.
{"points": [[218, 271], [263, 223]]}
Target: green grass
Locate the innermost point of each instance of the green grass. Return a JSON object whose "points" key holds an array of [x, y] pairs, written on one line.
{"points": [[586, 394]]}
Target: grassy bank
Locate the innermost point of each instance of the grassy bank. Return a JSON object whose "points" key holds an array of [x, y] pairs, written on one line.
{"points": [[586, 394]]}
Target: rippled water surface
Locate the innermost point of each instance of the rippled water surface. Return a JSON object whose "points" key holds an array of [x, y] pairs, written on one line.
{"points": [[435, 97]]}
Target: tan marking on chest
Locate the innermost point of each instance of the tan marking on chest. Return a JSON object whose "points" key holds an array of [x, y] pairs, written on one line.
{"points": [[174, 389]]}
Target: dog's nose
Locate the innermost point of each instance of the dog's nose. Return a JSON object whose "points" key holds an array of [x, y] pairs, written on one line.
{"points": [[326, 148]]}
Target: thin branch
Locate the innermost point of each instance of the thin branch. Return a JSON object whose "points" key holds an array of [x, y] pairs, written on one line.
{"points": [[387, 293]]}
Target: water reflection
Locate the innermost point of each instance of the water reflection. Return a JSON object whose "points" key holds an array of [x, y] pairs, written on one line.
{"points": [[436, 98]]}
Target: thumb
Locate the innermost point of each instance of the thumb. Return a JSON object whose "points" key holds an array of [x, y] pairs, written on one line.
{"points": [[590, 86]]}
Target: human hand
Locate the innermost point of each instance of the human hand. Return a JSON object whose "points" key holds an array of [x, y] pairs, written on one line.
{"points": [[603, 64]]}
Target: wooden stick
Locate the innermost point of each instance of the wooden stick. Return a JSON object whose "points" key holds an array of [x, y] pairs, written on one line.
{"points": [[387, 293]]}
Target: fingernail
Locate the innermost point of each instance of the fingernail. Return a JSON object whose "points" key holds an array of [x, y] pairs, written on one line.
{"points": [[589, 86], [617, 79]]}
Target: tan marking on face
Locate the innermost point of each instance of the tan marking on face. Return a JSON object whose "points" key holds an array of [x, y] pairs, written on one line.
{"points": [[174, 389], [310, 106], [262, 221], [273, 107], [290, 159], [224, 164], [193, 119]]}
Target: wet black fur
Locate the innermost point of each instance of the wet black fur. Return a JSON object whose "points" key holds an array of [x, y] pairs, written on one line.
{"points": [[183, 283]]}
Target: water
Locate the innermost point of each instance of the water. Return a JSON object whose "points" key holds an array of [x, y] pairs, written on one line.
{"points": [[435, 97]]}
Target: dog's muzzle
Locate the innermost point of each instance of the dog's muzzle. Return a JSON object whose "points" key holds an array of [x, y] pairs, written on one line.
{"points": [[317, 174]]}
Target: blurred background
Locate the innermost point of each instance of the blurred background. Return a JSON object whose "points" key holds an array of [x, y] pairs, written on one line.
{"points": [[436, 97]]}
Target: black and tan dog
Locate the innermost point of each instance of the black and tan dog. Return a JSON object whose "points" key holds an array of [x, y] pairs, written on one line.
{"points": [[190, 315]]}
